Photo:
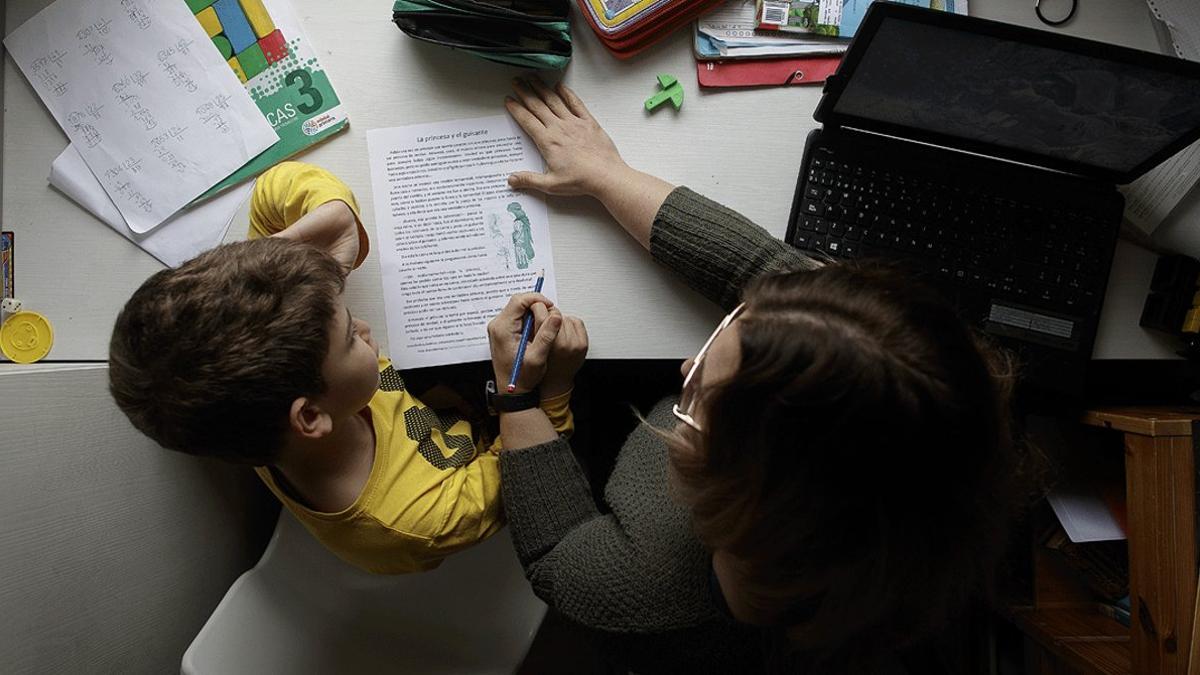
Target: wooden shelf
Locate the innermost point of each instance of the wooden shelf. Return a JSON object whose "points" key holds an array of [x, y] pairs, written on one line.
{"points": [[1161, 486], [1081, 637], [1152, 422]]}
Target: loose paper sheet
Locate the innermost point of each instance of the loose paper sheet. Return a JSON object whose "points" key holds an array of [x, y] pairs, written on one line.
{"points": [[183, 236], [1182, 18], [156, 113], [1151, 198], [1084, 515], [455, 242]]}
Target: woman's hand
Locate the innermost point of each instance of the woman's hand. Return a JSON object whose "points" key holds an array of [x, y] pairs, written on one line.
{"points": [[581, 159], [504, 336], [566, 357], [579, 156]]}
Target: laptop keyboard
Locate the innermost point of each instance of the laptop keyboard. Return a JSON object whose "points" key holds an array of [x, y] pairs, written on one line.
{"points": [[1040, 254]]}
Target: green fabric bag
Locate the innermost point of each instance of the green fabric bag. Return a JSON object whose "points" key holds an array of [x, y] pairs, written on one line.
{"points": [[527, 33]]}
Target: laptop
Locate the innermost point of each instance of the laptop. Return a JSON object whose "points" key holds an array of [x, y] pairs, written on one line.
{"points": [[987, 156]]}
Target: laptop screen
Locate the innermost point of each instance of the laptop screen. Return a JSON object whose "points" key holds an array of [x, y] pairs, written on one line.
{"points": [[1110, 115]]}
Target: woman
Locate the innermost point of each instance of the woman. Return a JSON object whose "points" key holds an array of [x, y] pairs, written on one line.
{"points": [[833, 482]]}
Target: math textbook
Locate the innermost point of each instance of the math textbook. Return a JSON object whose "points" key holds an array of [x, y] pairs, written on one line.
{"points": [[831, 18], [264, 44]]}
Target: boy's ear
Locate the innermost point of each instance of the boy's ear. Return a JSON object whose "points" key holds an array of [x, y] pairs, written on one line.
{"points": [[306, 419]]}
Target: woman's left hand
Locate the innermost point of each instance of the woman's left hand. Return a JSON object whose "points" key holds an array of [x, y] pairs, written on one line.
{"points": [[580, 157]]}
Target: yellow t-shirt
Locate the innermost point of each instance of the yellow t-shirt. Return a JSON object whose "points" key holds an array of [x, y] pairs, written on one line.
{"points": [[433, 488]]}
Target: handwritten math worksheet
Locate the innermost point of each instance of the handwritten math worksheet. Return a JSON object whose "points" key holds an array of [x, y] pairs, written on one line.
{"points": [[156, 113]]}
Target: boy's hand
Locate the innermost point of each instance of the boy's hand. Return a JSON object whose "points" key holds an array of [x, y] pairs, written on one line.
{"points": [[504, 335], [363, 330], [331, 227], [579, 156], [566, 357]]}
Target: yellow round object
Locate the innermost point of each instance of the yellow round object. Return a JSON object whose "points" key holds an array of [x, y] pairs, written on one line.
{"points": [[26, 337]]}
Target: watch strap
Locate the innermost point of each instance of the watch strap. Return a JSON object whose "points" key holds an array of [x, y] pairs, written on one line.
{"points": [[502, 403]]}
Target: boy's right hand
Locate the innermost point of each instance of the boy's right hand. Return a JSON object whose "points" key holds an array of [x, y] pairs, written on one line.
{"points": [[331, 227], [504, 338], [557, 345]]}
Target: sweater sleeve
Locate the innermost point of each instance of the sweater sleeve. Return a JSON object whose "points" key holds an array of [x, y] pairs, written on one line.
{"points": [[583, 563], [717, 250], [547, 495]]}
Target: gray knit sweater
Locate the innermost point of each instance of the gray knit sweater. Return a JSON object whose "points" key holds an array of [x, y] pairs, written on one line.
{"points": [[637, 575]]}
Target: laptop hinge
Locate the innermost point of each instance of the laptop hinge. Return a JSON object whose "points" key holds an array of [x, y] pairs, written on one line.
{"points": [[833, 83], [946, 148]]}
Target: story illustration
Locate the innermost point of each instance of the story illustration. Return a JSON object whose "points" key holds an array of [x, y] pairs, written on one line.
{"points": [[498, 239], [522, 235], [511, 234]]}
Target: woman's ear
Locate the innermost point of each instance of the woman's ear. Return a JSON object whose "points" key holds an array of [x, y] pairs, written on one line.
{"points": [[307, 420]]}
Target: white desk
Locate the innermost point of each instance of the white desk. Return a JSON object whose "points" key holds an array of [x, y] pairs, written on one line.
{"points": [[740, 147]]}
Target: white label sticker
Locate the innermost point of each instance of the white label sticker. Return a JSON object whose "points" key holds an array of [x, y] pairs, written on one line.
{"points": [[830, 13], [775, 13]]}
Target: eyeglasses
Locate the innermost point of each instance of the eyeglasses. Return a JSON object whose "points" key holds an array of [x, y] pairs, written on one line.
{"points": [[688, 397]]}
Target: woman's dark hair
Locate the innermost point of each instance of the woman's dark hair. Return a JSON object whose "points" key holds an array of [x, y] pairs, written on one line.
{"points": [[859, 467]]}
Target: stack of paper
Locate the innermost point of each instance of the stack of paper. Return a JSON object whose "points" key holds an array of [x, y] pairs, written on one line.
{"points": [[1182, 19], [154, 111], [729, 33], [1151, 198], [171, 104], [181, 238], [835, 18]]}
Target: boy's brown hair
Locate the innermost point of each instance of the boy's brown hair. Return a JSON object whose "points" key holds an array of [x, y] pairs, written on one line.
{"points": [[207, 358], [859, 465]]}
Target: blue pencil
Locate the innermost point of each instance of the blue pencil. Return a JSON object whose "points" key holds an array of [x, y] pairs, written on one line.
{"points": [[525, 331]]}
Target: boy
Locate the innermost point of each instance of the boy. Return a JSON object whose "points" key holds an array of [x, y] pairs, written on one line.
{"points": [[248, 353]]}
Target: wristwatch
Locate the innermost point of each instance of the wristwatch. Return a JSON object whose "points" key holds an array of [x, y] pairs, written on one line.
{"points": [[507, 403]]}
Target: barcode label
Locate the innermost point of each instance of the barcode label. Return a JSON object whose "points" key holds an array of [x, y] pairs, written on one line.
{"points": [[775, 13]]}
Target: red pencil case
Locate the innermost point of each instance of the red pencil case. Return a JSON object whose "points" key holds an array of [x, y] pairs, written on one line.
{"points": [[654, 27]]}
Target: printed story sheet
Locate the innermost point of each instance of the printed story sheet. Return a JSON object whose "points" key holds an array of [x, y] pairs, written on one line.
{"points": [[455, 242], [156, 113]]}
